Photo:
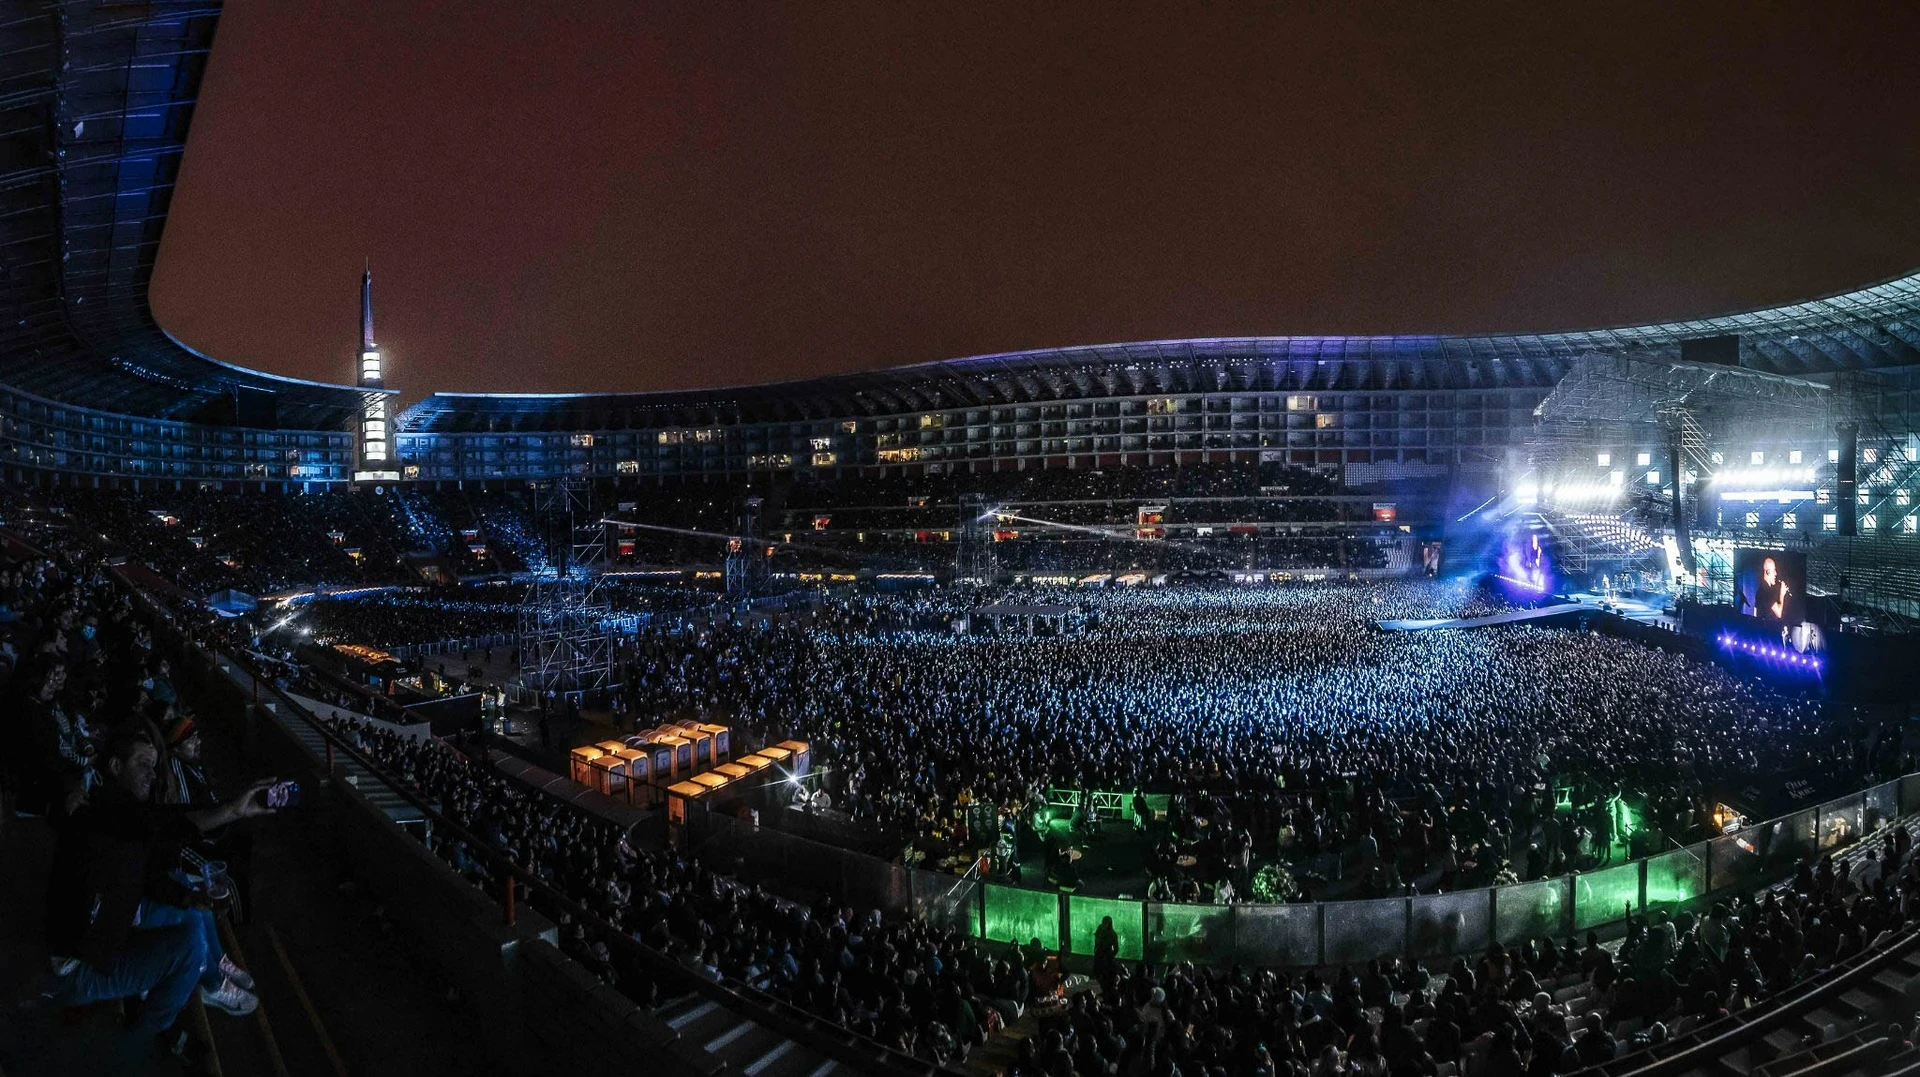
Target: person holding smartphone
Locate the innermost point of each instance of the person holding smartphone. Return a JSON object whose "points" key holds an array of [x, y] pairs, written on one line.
{"points": [[118, 924]]}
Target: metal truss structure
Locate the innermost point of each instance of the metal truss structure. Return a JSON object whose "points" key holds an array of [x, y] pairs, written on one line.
{"points": [[747, 570], [565, 644], [974, 559]]}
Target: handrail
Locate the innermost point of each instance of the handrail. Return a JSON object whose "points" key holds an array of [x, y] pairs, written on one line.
{"points": [[1714, 1040], [781, 1016]]}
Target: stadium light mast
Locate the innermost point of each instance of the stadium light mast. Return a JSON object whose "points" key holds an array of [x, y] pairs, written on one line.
{"points": [[375, 463]]}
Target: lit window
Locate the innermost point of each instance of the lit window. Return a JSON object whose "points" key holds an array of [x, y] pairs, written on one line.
{"points": [[1829, 522], [1605, 459], [628, 467], [1868, 521], [1789, 522], [1793, 456], [376, 450], [1902, 497], [1863, 497], [1302, 403], [1653, 478], [1757, 458], [1833, 456], [1326, 420], [1753, 519], [1869, 455], [1823, 495], [1718, 459], [1907, 524], [583, 441], [1911, 452], [1616, 477], [1643, 459]]}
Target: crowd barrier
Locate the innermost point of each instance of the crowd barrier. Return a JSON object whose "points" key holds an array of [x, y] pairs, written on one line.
{"points": [[454, 646], [1421, 926]]}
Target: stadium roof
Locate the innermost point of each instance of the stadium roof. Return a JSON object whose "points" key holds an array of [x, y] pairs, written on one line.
{"points": [[95, 100], [1876, 326]]}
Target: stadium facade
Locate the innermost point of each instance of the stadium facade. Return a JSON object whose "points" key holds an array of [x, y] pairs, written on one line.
{"points": [[94, 392]]}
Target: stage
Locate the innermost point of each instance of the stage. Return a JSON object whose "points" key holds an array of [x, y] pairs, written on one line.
{"points": [[1582, 602]]}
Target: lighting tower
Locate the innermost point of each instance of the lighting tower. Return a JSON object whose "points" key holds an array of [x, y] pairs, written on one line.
{"points": [[746, 568], [374, 461], [974, 555]]}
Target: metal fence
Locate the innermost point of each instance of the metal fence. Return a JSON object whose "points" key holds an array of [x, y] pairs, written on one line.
{"points": [[1326, 933]]}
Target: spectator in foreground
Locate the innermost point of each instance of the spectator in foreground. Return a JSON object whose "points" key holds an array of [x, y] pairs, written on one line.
{"points": [[118, 923]]}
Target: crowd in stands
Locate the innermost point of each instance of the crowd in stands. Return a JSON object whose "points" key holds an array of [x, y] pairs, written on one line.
{"points": [[100, 743], [1531, 1006], [1283, 724], [900, 982]]}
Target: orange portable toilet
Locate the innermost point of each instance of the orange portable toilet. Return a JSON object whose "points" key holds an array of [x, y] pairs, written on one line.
{"points": [[610, 775], [702, 742], [802, 755], [639, 776], [582, 758], [659, 756], [732, 771], [682, 796], [682, 749], [722, 740], [753, 761]]}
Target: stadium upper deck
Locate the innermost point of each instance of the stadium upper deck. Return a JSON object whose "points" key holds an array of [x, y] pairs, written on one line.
{"points": [[95, 102], [97, 110], [1377, 407]]}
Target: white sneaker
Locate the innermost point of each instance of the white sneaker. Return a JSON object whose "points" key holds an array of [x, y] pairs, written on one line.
{"points": [[235, 973], [231, 998]]}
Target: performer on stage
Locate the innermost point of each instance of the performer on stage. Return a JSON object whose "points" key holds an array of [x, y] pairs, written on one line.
{"points": [[1764, 594]]}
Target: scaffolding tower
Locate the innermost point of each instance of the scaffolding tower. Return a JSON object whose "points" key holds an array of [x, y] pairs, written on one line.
{"points": [[565, 645], [747, 568], [974, 554]]}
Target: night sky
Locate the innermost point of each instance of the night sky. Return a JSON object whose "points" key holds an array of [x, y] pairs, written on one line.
{"points": [[621, 195]]}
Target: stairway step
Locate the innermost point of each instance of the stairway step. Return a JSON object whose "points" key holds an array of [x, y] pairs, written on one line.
{"points": [[689, 1015]]}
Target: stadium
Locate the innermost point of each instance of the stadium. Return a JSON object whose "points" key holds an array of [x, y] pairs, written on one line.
{"points": [[1309, 704]]}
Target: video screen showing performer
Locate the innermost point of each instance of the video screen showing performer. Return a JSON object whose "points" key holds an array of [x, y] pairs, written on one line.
{"points": [[1771, 585]]}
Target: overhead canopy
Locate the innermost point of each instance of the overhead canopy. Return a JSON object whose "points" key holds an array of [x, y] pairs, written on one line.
{"points": [[98, 98]]}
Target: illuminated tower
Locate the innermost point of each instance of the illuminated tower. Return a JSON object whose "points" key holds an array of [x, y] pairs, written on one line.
{"points": [[375, 463]]}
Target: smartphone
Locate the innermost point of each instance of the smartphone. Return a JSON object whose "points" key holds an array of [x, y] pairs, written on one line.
{"points": [[283, 795]]}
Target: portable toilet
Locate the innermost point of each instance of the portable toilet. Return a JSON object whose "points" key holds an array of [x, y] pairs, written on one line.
{"points": [[684, 798], [610, 775], [659, 757], [753, 761], [802, 756], [702, 742], [780, 758], [733, 772], [582, 758], [681, 762], [639, 776], [710, 780], [722, 740]]}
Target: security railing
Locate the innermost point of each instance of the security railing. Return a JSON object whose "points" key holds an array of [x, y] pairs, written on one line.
{"points": [[1324, 933]]}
